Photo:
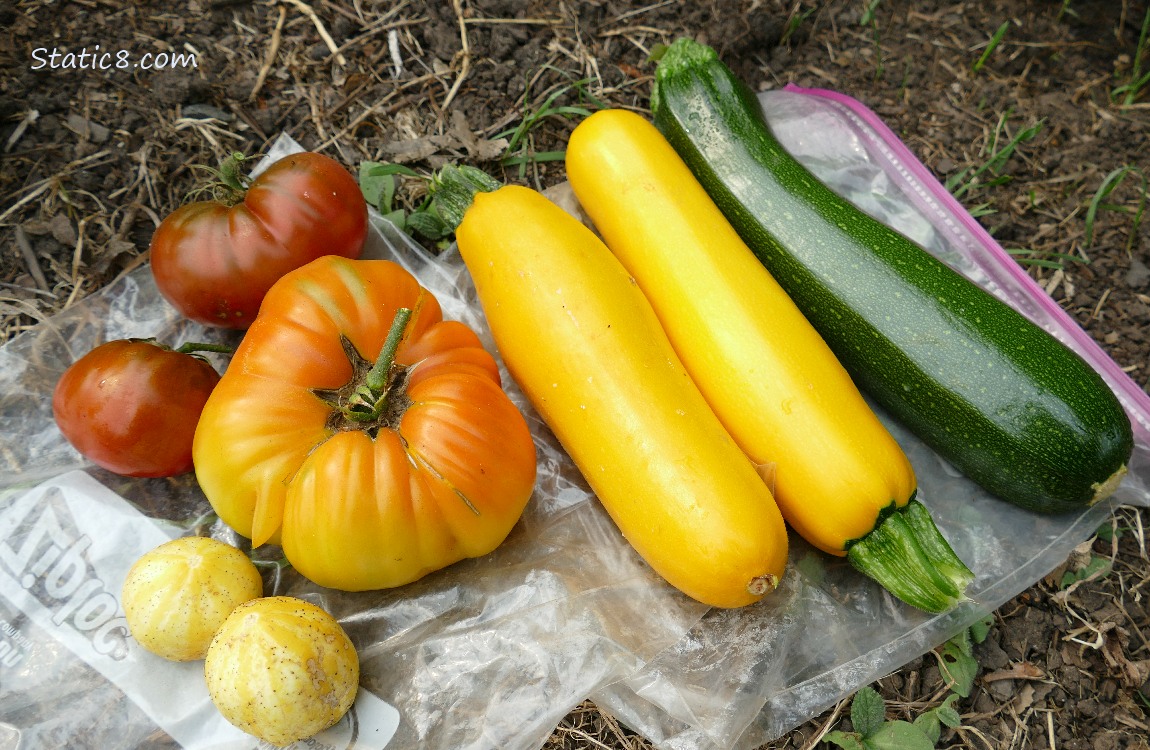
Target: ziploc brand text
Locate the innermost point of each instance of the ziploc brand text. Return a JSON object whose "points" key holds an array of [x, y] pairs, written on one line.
{"points": [[65, 548], [48, 560]]}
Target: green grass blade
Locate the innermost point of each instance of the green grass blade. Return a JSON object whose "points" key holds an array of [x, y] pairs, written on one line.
{"points": [[992, 45]]}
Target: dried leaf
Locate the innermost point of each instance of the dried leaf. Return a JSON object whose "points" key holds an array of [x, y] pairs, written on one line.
{"points": [[478, 149], [62, 229], [408, 151], [1024, 700], [86, 129], [113, 251], [1020, 671], [1133, 674]]}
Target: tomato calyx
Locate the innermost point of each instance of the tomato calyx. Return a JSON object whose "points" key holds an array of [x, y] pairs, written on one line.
{"points": [[193, 348], [229, 184], [376, 395]]}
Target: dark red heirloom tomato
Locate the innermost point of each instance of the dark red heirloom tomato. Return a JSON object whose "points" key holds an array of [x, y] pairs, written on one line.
{"points": [[131, 406], [215, 260]]}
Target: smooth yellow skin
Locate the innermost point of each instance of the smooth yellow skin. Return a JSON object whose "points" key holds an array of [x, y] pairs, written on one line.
{"points": [[585, 346], [176, 596], [282, 669], [765, 371]]}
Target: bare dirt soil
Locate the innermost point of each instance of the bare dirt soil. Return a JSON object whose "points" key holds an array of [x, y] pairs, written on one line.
{"points": [[93, 158]]}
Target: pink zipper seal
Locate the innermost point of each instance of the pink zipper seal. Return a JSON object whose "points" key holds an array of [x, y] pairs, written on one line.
{"points": [[1008, 280]]}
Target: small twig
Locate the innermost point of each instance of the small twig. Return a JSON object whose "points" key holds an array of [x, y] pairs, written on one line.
{"points": [[30, 259], [205, 128], [518, 21], [48, 182], [326, 37], [588, 738], [396, 55], [382, 24], [16, 306], [644, 9], [357, 16], [589, 59], [78, 253], [29, 117], [243, 115], [22, 288], [126, 225], [1140, 535], [273, 49], [308, 95], [374, 108], [77, 282], [626, 30], [128, 220], [1097, 314], [825, 729], [465, 63], [43, 186]]}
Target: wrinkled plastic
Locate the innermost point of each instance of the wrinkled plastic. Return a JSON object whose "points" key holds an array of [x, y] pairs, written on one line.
{"points": [[494, 652]]}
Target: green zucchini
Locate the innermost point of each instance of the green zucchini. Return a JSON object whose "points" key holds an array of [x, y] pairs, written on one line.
{"points": [[1003, 401]]}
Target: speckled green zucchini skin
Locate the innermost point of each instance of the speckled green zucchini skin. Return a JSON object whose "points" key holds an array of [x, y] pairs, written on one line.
{"points": [[1005, 402]]}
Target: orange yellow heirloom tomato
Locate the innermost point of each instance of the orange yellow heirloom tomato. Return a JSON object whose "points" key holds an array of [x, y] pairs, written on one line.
{"points": [[361, 431]]}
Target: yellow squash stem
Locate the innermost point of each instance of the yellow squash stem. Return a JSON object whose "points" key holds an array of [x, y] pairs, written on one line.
{"points": [[583, 343], [766, 372]]}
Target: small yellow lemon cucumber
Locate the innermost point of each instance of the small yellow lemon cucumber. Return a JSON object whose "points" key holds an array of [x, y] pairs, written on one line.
{"points": [[176, 596], [282, 669]]}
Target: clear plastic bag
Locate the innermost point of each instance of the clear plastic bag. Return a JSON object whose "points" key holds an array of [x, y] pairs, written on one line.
{"points": [[494, 652]]}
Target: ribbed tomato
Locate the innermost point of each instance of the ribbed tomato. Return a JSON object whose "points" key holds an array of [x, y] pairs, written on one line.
{"points": [[214, 260], [370, 477]]}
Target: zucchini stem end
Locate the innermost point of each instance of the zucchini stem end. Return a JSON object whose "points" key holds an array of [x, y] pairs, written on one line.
{"points": [[909, 557]]}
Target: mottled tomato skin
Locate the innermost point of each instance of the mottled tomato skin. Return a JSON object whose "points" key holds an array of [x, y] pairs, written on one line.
{"points": [[131, 406], [215, 262]]}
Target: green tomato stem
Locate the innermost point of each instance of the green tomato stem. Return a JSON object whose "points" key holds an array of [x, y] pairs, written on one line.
{"points": [[367, 402], [229, 184], [192, 347], [230, 172], [378, 376]]}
